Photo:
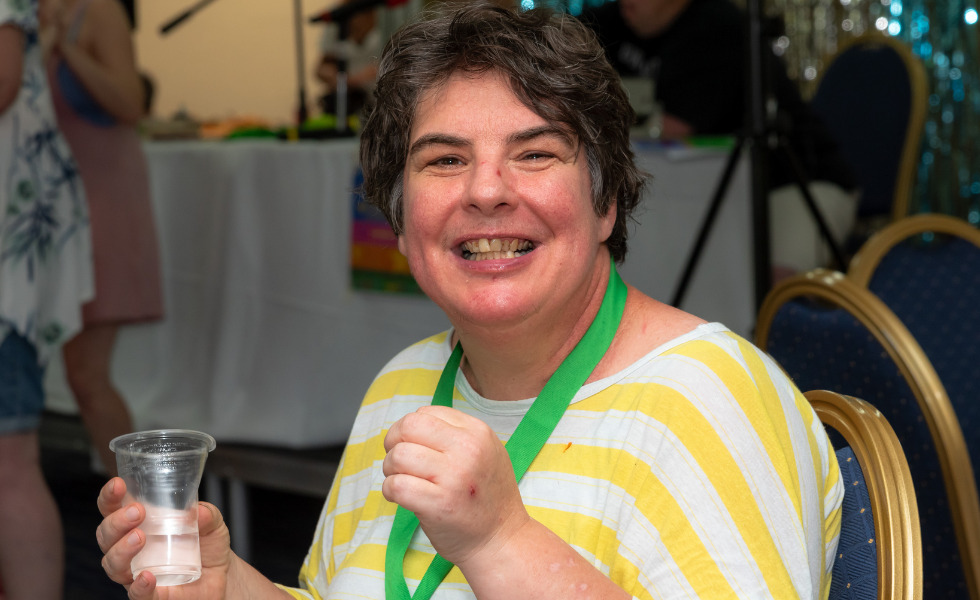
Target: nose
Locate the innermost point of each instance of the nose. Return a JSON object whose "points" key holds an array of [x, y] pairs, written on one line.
{"points": [[489, 188]]}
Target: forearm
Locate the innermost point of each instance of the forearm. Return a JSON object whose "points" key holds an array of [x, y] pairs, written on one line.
{"points": [[246, 583], [11, 64], [118, 93], [535, 563]]}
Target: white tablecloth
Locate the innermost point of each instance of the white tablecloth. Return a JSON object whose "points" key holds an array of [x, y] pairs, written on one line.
{"points": [[264, 341]]}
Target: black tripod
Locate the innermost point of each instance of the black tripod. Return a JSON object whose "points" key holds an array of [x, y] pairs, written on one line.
{"points": [[762, 135]]}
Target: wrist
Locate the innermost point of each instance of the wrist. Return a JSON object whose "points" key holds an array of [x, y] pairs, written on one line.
{"points": [[508, 539]]}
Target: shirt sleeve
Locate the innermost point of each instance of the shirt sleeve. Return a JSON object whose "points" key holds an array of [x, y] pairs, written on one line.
{"points": [[743, 490]]}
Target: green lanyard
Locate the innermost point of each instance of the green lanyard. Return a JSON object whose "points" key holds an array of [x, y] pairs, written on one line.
{"points": [[527, 440]]}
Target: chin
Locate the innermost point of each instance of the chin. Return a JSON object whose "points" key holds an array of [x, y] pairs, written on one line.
{"points": [[501, 312]]}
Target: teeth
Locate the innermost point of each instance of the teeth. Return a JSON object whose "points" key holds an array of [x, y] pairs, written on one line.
{"points": [[496, 248]]}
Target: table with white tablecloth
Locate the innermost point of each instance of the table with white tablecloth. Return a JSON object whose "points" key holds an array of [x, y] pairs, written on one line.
{"points": [[264, 339]]}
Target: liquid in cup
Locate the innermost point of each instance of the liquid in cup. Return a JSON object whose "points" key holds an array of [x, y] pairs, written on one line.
{"points": [[162, 470]]}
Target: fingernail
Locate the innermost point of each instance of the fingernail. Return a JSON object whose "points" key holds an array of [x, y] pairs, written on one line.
{"points": [[132, 513], [142, 581], [133, 539]]}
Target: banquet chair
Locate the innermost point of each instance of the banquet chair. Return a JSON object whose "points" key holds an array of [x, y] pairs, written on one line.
{"points": [[926, 269], [879, 553], [828, 332], [872, 98]]}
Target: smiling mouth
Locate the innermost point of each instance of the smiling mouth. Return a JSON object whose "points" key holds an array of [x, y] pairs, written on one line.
{"points": [[490, 249]]}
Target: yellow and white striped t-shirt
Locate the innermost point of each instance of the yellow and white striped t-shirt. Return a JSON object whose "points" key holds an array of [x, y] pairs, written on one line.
{"points": [[698, 472]]}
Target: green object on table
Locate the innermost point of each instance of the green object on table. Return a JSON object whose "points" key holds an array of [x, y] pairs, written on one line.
{"points": [[251, 133], [711, 141]]}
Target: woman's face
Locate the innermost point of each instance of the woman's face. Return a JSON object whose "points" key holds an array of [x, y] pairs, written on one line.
{"points": [[485, 172]]}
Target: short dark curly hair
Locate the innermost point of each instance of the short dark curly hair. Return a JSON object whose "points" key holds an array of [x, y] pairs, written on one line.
{"points": [[556, 68]]}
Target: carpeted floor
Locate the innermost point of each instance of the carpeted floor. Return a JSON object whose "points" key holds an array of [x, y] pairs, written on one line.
{"points": [[278, 547]]}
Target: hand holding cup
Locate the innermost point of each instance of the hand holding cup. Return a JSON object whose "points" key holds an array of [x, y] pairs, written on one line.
{"points": [[121, 539], [162, 470]]}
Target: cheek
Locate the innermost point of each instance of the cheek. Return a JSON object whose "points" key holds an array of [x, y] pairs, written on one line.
{"points": [[423, 220], [566, 204]]}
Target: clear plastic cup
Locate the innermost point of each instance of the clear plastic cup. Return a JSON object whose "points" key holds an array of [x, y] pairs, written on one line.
{"points": [[162, 470]]}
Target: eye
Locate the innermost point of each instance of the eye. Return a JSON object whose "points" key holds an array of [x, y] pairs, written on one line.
{"points": [[446, 161], [536, 155]]}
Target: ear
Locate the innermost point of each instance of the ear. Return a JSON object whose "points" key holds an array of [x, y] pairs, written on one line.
{"points": [[607, 223], [401, 244]]}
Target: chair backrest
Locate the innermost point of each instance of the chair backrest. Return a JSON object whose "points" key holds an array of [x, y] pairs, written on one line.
{"points": [[828, 332], [879, 553], [872, 98], [926, 269]]}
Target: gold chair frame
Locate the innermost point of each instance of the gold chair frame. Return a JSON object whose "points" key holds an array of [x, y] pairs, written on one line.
{"points": [[919, 95], [890, 489], [868, 257], [961, 489]]}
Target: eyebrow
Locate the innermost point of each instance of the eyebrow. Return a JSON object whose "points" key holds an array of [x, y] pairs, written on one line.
{"points": [[446, 139], [435, 139], [542, 131]]}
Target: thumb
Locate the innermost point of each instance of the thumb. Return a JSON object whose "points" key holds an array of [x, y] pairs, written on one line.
{"points": [[209, 518]]}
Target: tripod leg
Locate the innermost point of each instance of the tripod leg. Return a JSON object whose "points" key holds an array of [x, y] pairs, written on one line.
{"points": [[801, 181], [708, 222]]}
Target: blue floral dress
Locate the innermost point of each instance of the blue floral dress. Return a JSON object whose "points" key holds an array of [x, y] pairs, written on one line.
{"points": [[45, 246]]}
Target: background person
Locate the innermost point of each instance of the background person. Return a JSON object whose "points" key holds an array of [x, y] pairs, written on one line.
{"points": [[695, 52], [99, 100], [499, 151], [45, 275], [361, 50]]}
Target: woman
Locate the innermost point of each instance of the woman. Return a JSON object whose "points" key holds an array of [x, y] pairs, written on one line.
{"points": [[45, 276], [664, 456], [98, 98]]}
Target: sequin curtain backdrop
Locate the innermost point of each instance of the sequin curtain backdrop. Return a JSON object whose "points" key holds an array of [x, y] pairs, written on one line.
{"points": [[943, 33]]}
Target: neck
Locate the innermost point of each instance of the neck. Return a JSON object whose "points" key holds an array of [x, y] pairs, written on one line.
{"points": [[665, 17], [515, 362]]}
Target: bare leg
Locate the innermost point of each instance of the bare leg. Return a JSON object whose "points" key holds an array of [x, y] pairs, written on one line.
{"points": [[31, 544], [105, 415]]}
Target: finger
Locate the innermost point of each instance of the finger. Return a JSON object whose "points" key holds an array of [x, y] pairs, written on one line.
{"points": [[111, 496], [209, 518], [215, 538], [450, 415], [118, 525], [412, 459], [413, 493], [424, 426], [116, 561], [143, 586]]}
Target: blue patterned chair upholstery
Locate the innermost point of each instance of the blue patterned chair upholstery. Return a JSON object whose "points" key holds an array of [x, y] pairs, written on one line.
{"points": [[872, 98], [827, 332], [879, 551], [855, 574], [926, 269]]}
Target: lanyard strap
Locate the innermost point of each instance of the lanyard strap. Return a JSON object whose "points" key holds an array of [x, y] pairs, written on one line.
{"points": [[527, 440]]}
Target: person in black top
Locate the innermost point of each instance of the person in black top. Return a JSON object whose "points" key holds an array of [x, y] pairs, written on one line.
{"points": [[695, 52]]}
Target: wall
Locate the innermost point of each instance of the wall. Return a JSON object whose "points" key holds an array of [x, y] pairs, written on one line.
{"points": [[232, 58]]}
